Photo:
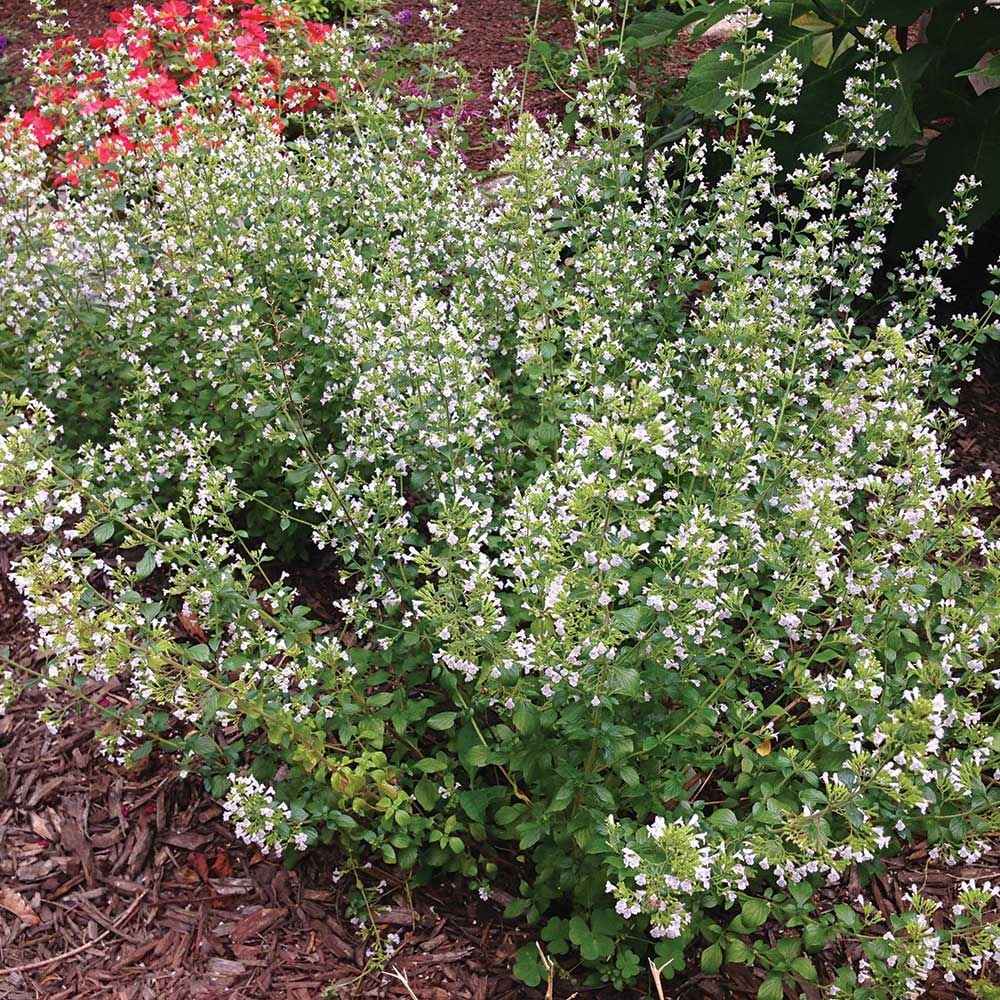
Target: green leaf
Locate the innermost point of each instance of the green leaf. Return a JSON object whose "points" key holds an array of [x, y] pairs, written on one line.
{"points": [[146, 565], [657, 27], [528, 967], [632, 620], [771, 989], [623, 680], [951, 582], [479, 756], [426, 793], [707, 81], [200, 653], [579, 930], [508, 815], [563, 797], [815, 111], [525, 718], [970, 146], [990, 69], [430, 765], [801, 892], [630, 776], [203, 745], [141, 752], [475, 802], [847, 916], [443, 720], [804, 968], [754, 913], [103, 532], [606, 922], [724, 819], [901, 121], [814, 937], [738, 952], [711, 959]]}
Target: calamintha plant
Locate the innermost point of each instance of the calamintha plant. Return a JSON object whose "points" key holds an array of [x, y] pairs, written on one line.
{"points": [[648, 574]]}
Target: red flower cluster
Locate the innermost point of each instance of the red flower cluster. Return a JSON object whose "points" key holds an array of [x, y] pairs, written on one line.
{"points": [[178, 56]]}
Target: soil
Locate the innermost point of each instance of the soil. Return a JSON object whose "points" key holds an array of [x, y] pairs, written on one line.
{"points": [[127, 885]]}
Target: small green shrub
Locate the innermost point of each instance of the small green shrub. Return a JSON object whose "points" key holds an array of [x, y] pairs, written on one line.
{"points": [[650, 577]]}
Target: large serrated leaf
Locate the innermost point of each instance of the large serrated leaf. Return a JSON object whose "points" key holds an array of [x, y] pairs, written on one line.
{"points": [[706, 90], [901, 120]]}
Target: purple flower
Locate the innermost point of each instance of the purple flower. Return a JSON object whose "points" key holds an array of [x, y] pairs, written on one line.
{"points": [[4, 42], [404, 17]]}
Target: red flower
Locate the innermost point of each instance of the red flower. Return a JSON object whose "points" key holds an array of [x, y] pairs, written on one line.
{"points": [[141, 49], [207, 23], [317, 32], [175, 8], [172, 137], [111, 38], [90, 107], [126, 142], [160, 90], [253, 16], [107, 150], [248, 48], [204, 33], [57, 94], [40, 126], [202, 59]]}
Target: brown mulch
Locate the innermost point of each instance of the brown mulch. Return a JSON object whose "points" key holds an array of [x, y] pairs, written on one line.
{"points": [[975, 446]]}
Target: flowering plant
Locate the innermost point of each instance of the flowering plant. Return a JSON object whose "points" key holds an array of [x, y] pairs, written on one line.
{"points": [[624, 510], [160, 72]]}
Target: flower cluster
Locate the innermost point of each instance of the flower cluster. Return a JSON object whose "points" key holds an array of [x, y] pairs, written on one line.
{"points": [[258, 818], [665, 867]]}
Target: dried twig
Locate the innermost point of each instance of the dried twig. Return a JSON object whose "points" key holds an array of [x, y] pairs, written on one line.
{"points": [[401, 976], [550, 970], [41, 963], [656, 971]]}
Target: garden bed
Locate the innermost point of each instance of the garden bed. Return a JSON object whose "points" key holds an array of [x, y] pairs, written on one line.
{"points": [[125, 882]]}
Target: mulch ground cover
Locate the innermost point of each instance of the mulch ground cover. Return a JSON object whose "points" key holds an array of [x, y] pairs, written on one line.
{"points": [[126, 884]]}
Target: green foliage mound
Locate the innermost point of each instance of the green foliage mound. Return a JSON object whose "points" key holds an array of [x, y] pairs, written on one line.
{"points": [[651, 583]]}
